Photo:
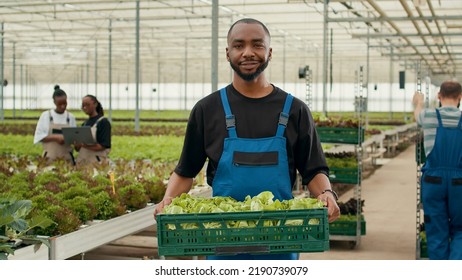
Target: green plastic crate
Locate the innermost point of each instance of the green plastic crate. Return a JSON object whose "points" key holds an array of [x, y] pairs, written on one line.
{"points": [[423, 249], [420, 156], [344, 175], [340, 135], [175, 239], [346, 227]]}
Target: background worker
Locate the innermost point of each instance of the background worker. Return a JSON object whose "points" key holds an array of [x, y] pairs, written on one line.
{"points": [[49, 129], [101, 131], [442, 171], [254, 135]]}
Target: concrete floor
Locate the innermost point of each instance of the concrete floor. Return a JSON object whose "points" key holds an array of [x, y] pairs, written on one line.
{"points": [[390, 214]]}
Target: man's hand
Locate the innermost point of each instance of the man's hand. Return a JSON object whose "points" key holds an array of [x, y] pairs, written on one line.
{"points": [[333, 211], [418, 103], [160, 206], [176, 186], [417, 99], [318, 186]]}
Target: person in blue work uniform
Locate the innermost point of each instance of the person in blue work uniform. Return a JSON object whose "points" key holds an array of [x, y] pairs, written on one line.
{"points": [[441, 179], [254, 135]]}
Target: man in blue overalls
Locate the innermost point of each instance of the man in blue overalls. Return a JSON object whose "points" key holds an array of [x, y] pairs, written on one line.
{"points": [[254, 135], [442, 172]]}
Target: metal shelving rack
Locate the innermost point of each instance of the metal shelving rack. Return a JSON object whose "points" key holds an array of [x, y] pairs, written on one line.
{"points": [[306, 74], [359, 151], [361, 100], [420, 159], [308, 87]]}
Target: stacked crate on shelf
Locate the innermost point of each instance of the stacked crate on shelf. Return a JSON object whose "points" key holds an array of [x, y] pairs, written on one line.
{"points": [[340, 135], [347, 228], [346, 225]]}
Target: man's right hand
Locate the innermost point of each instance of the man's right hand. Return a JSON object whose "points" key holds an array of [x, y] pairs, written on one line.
{"points": [[418, 102], [176, 186], [417, 99], [160, 206]]}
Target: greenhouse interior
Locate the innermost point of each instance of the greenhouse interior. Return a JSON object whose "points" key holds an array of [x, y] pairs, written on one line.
{"points": [[356, 65]]}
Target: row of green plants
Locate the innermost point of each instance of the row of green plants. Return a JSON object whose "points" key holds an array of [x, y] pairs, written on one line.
{"points": [[72, 196], [157, 148], [61, 197], [381, 117], [41, 199], [118, 129], [118, 114], [341, 159]]}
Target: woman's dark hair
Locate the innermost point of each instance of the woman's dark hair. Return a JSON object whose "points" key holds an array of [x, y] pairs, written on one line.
{"points": [[99, 108], [58, 92]]}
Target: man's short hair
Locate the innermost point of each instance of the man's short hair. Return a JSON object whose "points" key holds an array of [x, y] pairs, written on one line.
{"points": [[249, 21], [450, 89]]}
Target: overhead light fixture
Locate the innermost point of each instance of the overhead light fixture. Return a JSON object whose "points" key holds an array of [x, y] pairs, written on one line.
{"points": [[455, 26], [226, 9], [70, 6]]}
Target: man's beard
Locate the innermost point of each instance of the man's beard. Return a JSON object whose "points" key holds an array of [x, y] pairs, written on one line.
{"points": [[251, 76]]}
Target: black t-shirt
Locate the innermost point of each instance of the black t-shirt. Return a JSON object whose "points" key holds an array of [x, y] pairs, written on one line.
{"points": [[103, 130], [255, 118]]}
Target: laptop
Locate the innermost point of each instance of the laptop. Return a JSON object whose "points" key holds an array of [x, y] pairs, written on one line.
{"points": [[79, 135]]}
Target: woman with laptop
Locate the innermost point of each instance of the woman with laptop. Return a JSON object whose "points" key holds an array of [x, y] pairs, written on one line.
{"points": [[101, 132], [49, 129]]}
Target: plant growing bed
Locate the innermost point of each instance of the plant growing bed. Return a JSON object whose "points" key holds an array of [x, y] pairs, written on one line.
{"points": [[16, 239], [344, 175], [346, 225], [72, 197], [342, 131], [85, 239], [340, 135], [343, 167], [31, 252], [65, 246]]}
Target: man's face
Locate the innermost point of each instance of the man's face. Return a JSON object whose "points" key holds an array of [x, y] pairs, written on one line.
{"points": [[248, 50]]}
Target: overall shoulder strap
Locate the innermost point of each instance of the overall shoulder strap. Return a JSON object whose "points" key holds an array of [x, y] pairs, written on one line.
{"points": [[98, 120], [460, 121], [438, 116], [230, 120], [284, 116]]}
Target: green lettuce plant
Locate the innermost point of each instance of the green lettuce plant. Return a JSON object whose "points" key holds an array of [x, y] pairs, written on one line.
{"points": [[15, 227]]}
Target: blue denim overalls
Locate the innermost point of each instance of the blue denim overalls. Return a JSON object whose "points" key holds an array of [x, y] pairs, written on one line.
{"points": [[250, 166], [442, 193]]}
